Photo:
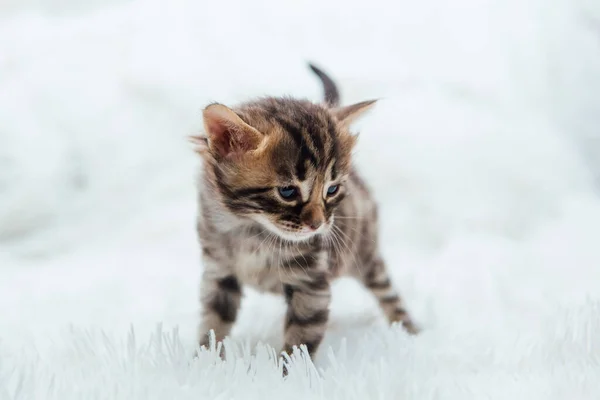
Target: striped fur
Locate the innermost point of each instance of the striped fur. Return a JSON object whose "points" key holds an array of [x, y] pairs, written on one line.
{"points": [[252, 235]]}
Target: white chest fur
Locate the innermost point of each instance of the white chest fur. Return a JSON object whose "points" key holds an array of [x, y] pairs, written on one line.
{"points": [[257, 265]]}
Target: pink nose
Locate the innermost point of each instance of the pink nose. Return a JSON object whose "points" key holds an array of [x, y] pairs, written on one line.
{"points": [[314, 225]]}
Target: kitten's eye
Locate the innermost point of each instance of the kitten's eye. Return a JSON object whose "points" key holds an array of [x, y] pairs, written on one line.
{"points": [[288, 192], [332, 189]]}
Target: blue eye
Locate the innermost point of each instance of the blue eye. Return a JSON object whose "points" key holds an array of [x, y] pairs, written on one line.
{"points": [[287, 192], [332, 189]]}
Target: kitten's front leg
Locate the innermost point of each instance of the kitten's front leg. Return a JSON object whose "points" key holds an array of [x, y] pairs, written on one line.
{"points": [[220, 300], [308, 296]]}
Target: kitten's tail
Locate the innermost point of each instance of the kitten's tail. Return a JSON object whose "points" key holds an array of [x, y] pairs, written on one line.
{"points": [[332, 95]]}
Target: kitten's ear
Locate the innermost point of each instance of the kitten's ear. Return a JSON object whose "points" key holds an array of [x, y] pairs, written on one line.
{"points": [[348, 114], [227, 132]]}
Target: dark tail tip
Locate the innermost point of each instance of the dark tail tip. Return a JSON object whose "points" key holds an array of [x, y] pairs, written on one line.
{"points": [[332, 95]]}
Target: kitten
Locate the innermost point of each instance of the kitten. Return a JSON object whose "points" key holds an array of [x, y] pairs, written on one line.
{"points": [[282, 209]]}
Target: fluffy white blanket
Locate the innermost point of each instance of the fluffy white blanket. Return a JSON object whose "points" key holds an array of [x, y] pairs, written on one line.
{"points": [[559, 360]]}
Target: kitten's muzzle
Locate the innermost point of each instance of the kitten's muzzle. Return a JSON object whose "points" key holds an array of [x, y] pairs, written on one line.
{"points": [[313, 218]]}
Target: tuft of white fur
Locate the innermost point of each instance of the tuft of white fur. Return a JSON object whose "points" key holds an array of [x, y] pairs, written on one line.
{"points": [[557, 361]]}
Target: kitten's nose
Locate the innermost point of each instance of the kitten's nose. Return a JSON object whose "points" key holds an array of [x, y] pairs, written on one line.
{"points": [[313, 218], [315, 224]]}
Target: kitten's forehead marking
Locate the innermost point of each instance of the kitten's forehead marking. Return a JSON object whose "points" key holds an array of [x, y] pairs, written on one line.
{"points": [[309, 182], [305, 141], [309, 128], [306, 189], [316, 180]]}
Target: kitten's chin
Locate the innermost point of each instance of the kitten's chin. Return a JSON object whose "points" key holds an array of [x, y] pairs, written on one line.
{"points": [[290, 236], [295, 236]]}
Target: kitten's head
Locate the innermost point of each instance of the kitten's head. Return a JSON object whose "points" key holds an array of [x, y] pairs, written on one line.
{"points": [[280, 162]]}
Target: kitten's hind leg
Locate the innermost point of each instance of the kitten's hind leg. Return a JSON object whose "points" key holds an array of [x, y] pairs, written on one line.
{"points": [[376, 278]]}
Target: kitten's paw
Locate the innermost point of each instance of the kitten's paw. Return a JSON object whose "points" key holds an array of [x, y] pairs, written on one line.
{"points": [[411, 328]]}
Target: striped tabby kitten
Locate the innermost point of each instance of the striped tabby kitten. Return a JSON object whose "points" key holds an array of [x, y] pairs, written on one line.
{"points": [[282, 209]]}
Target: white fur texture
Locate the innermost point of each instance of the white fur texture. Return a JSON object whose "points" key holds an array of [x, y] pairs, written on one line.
{"points": [[559, 361]]}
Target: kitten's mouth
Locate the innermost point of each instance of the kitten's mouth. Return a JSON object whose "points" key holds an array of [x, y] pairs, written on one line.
{"points": [[291, 234], [299, 235]]}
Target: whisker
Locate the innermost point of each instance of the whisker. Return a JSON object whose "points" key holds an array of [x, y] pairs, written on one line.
{"points": [[261, 243], [356, 264], [304, 258], [258, 234], [336, 246], [278, 266], [259, 247], [355, 230]]}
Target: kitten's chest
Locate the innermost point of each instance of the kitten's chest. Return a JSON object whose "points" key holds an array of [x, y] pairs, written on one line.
{"points": [[256, 265]]}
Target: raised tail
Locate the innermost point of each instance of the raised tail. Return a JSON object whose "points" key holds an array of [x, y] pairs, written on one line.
{"points": [[332, 95]]}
